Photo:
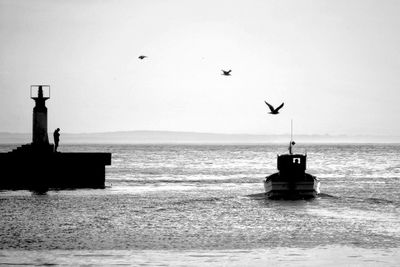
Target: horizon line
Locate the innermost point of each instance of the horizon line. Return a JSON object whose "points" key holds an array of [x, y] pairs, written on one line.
{"points": [[216, 133]]}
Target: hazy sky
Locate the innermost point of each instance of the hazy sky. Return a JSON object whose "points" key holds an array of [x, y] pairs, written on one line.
{"points": [[335, 64]]}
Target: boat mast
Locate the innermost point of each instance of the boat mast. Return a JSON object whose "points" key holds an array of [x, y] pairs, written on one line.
{"points": [[291, 130]]}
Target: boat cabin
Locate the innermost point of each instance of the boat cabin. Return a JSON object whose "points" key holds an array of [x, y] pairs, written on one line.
{"points": [[292, 164]]}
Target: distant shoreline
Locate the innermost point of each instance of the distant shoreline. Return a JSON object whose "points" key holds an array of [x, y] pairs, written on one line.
{"points": [[166, 137]]}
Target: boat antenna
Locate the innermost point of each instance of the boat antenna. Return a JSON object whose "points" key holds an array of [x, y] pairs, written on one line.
{"points": [[292, 143]]}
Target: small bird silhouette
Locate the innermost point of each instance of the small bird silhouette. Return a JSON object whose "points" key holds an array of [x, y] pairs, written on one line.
{"points": [[274, 110], [226, 73], [142, 57]]}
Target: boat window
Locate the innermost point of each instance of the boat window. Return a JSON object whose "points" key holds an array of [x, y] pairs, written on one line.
{"points": [[296, 160]]}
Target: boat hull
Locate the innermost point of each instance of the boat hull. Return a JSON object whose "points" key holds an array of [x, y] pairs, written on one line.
{"points": [[277, 187]]}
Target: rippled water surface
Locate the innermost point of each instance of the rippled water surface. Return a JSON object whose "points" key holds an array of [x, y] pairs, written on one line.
{"points": [[207, 198]]}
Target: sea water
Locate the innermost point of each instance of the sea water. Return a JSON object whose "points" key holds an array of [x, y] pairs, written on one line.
{"points": [[201, 205]]}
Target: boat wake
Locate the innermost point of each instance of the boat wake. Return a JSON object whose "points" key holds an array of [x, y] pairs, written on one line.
{"points": [[257, 196], [380, 201], [324, 195], [355, 199]]}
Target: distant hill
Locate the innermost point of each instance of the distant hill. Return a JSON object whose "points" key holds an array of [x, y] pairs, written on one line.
{"points": [[144, 137]]}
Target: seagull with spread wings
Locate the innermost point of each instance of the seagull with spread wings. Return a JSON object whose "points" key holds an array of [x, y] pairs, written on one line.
{"points": [[274, 110], [226, 73]]}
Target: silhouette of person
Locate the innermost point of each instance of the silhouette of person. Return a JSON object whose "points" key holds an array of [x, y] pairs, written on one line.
{"points": [[56, 136]]}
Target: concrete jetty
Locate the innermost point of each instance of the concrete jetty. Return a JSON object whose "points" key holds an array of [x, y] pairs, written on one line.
{"points": [[36, 166]]}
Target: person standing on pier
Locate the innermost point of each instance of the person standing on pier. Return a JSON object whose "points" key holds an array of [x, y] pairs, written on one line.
{"points": [[56, 136]]}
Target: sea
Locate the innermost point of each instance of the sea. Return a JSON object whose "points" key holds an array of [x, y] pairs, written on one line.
{"points": [[203, 205]]}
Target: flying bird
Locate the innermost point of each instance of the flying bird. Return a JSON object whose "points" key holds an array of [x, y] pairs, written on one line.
{"points": [[142, 57], [226, 73], [274, 110]]}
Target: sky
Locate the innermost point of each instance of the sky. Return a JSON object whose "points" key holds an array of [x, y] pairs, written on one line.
{"points": [[335, 65]]}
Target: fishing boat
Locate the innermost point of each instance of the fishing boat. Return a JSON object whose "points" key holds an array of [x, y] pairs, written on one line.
{"points": [[291, 181]]}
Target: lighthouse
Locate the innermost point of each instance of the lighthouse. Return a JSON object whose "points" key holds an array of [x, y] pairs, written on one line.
{"points": [[39, 118]]}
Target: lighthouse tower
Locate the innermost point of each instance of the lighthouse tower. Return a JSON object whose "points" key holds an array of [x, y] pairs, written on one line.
{"points": [[39, 123]]}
